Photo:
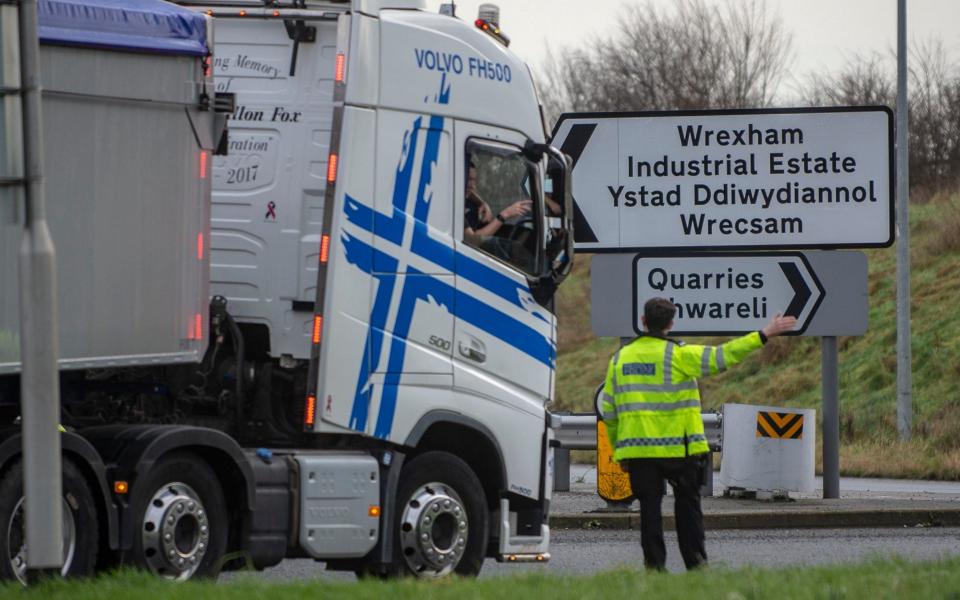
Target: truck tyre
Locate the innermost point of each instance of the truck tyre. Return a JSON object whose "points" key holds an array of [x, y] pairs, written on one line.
{"points": [[80, 525], [182, 519], [441, 518]]}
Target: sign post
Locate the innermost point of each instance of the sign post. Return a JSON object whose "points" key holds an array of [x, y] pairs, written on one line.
{"points": [[670, 195], [830, 382], [904, 351], [39, 379]]}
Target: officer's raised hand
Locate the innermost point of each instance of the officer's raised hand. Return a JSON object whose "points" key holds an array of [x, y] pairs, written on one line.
{"points": [[779, 325]]}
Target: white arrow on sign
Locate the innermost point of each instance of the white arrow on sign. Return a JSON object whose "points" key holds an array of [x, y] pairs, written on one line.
{"points": [[728, 294]]}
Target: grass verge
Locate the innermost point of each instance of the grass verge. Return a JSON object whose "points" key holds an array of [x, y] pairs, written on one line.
{"points": [[873, 579]]}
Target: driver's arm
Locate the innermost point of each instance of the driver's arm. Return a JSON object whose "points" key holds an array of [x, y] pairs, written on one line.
{"points": [[517, 209], [487, 230]]}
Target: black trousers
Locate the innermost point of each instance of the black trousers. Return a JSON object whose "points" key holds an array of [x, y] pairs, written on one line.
{"points": [[647, 477]]}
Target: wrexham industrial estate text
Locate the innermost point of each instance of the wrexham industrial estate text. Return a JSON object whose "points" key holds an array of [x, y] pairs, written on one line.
{"points": [[777, 171]]}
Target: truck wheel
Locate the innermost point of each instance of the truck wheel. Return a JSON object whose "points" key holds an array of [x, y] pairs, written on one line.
{"points": [[441, 525], [80, 525], [182, 518]]}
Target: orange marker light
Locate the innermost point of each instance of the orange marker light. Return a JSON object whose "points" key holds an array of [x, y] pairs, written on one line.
{"points": [[200, 246], [120, 487], [374, 511], [341, 67], [198, 320], [276, 13], [311, 412], [203, 164], [243, 13], [332, 168], [317, 328], [324, 249]]}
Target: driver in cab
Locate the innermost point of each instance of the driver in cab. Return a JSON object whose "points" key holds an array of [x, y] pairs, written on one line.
{"points": [[479, 221]]}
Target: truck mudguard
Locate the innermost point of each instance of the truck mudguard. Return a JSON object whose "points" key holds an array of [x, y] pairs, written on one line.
{"points": [[132, 451], [445, 416]]}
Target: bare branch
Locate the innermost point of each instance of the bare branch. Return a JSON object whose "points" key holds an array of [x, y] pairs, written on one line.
{"points": [[687, 57]]}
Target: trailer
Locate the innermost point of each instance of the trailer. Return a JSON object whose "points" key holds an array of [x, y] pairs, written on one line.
{"points": [[333, 339], [128, 128]]}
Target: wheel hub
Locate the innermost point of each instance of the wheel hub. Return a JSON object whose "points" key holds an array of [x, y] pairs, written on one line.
{"points": [[17, 540], [175, 531], [433, 530]]}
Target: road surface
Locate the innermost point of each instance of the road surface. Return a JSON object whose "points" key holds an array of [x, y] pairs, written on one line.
{"points": [[589, 551]]}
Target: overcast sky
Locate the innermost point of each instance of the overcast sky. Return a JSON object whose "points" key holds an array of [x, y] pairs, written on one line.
{"points": [[825, 32]]}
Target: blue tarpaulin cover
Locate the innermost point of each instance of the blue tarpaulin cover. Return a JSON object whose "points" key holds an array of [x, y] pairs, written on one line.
{"points": [[139, 25]]}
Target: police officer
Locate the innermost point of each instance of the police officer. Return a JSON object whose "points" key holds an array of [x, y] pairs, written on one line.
{"points": [[651, 407]]}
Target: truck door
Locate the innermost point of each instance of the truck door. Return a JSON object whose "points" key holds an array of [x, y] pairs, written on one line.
{"points": [[388, 336], [411, 321], [503, 340]]}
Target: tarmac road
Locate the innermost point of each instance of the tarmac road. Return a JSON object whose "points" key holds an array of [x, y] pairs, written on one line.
{"points": [[590, 551], [586, 551]]}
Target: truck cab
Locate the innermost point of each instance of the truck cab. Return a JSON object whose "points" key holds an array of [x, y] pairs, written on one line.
{"points": [[365, 139]]}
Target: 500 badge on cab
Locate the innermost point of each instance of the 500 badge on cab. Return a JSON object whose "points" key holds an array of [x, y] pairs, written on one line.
{"points": [[439, 342]]}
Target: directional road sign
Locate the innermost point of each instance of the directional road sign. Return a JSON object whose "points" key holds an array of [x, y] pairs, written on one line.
{"points": [[747, 179], [732, 293], [717, 294]]}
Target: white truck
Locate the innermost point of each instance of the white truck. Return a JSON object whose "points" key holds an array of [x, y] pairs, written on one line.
{"points": [[368, 385]]}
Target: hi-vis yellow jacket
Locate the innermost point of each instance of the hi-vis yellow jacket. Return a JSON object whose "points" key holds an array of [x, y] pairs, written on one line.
{"points": [[650, 400]]}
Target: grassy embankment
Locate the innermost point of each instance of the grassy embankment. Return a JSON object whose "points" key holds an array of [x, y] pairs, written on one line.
{"points": [[787, 371], [875, 579]]}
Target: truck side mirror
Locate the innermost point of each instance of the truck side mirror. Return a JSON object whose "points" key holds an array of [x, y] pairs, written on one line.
{"points": [[224, 105], [559, 249]]}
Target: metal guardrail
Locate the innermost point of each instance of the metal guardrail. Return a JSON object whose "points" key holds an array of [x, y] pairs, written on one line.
{"points": [[579, 431], [576, 431]]}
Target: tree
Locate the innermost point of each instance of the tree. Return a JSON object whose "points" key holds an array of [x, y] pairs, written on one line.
{"points": [[687, 57], [934, 106], [864, 81]]}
